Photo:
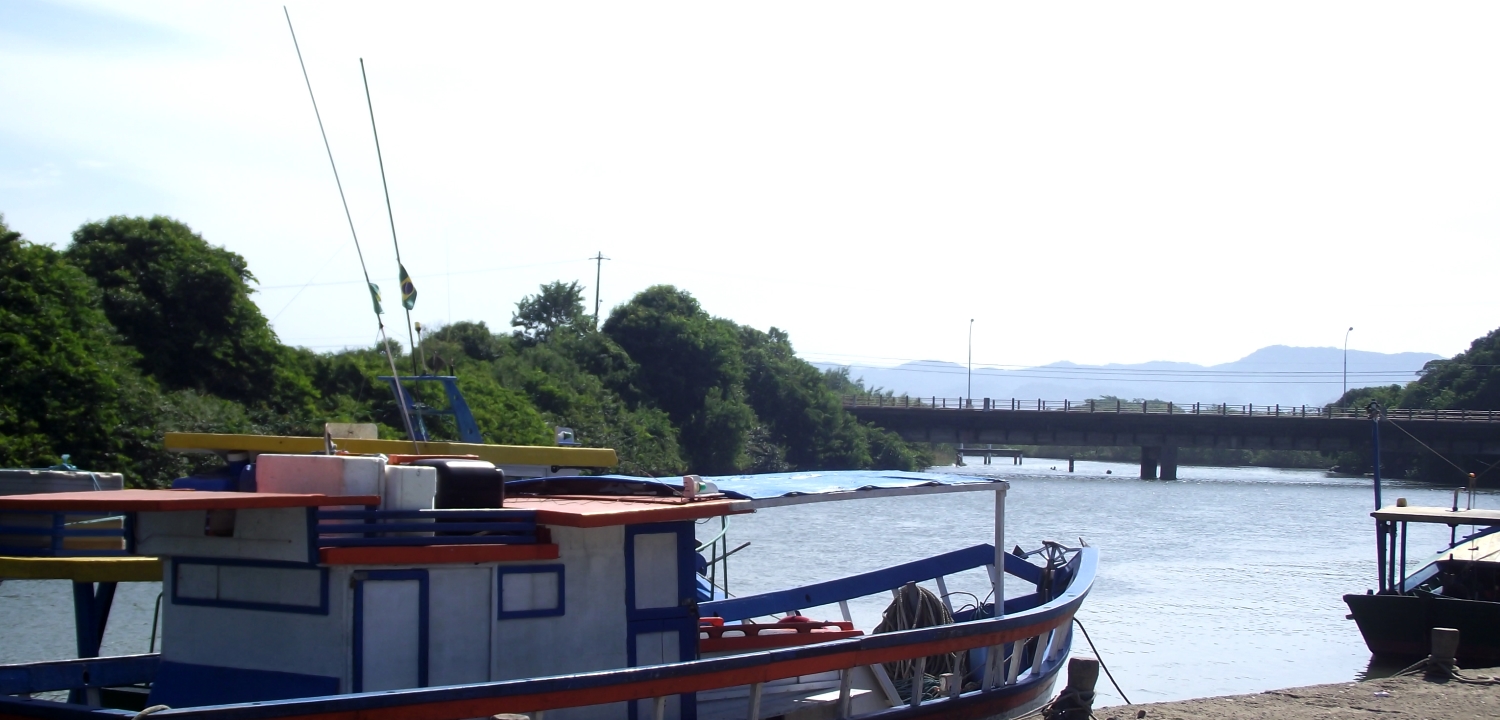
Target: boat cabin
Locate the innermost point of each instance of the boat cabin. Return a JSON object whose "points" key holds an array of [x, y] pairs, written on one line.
{"points": [[347, 574]]}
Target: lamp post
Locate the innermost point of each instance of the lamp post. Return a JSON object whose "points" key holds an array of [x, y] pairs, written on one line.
{"points": [[1346, 364], [970, 394]]}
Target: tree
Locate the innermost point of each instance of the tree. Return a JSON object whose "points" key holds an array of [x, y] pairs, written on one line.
{"points": [[803, 414], [689, 366], [556, 307], [68, 383], [1468, 381], [185, 306]]}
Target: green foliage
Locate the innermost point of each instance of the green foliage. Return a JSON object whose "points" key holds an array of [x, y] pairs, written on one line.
{"points": [[689, 365], [1469, 381], [504, 416], [68, 383], [185, 306], [803, 415], [557, 306], [141, 327]]}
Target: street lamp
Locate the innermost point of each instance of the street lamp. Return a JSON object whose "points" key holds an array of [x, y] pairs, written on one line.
{"points": [[970, 393], [1346, 364]]}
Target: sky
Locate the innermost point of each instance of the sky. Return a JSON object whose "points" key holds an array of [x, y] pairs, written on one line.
{"points": [[1093, 181]]}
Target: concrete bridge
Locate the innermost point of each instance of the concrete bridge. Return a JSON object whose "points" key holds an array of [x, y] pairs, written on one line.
{"points": [[1159, 429]]}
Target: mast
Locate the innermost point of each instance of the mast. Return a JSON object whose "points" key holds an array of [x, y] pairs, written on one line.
{"points": [[408, 291], [374, 290]]}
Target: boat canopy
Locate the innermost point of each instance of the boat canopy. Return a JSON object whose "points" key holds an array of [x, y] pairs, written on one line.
{"points": [[772, 489], [1437, 515]]}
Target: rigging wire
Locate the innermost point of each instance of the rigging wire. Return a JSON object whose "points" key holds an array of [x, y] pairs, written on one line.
{"points": [[390, 214], [1429, 447], [374, 293]]}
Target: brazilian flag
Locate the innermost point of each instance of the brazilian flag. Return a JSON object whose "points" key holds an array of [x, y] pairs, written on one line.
{"points": [[408, 290], [375, 298]]}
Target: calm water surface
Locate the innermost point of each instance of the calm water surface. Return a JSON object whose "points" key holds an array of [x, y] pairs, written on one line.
{"points": [[1228, 580]]}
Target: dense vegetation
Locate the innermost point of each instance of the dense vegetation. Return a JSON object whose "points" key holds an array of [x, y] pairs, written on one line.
{"points": [[1467, 381], [141, 327]]}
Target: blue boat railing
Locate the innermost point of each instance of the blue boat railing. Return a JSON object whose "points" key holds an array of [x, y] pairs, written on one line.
{"points": [[856, 586], [40, 533], [412, 528]]}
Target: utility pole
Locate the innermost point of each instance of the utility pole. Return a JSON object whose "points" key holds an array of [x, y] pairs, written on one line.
{"points": [[598, 273], [1346, 363], [970, 394]]}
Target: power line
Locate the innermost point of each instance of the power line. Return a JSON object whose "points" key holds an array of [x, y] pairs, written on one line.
{"points": [[502, 268]]}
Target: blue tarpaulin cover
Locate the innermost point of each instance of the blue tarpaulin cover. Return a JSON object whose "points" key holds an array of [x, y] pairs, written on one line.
{"points": [[770, 488]]}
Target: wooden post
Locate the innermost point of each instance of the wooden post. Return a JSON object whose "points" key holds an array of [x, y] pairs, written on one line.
{"points": [[999, 579], [1083, 673], [1444, 646], [846, 678], [755, 701]]}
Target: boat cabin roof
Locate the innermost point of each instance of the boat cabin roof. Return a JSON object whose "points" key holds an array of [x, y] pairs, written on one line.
{"points": [[1438, 515]]}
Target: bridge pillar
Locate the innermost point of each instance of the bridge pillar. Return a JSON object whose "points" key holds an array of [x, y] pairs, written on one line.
{"points": [[1150, 456], [1168, 460]]}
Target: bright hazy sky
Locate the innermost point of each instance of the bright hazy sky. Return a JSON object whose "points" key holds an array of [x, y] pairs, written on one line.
{"points": [[1095, 182]]}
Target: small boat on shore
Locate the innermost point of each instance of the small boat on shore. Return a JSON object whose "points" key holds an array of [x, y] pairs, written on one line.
{"points": [[367, 586], [1458, 587]]}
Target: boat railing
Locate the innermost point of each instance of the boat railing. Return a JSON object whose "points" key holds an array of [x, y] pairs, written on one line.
{"points": [[33, 533], [842, 590], [410, 528], [1158, 407]]}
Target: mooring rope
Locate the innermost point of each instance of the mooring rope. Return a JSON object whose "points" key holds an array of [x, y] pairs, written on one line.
{"points": [[1446, 668], [1107, 673]]}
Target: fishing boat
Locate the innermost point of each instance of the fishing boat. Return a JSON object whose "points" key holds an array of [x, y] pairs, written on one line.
{"points": [[1458, 587], [426, 585]]}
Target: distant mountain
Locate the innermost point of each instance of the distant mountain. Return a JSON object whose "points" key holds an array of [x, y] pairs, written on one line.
{"points": [[1272, 375]]}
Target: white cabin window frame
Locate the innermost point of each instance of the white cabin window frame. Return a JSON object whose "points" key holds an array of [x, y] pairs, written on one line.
{"points": [[554, 569]]}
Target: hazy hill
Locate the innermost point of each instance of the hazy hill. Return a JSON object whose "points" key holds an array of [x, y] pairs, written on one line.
{"points": [[1270, 375]]}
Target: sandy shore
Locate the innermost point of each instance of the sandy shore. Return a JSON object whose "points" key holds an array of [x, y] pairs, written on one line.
{"points": [[1403, 697]]}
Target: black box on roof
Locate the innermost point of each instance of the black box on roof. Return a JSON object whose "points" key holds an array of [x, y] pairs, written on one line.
{"points": [[466, 484]]}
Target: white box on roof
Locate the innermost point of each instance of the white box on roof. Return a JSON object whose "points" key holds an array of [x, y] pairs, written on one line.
{"points": [[409, 487], [320, 474]]}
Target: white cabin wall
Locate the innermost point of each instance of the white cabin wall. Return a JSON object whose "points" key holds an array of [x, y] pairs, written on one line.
{"points": [[273, 534], [303, 643], [591, 635], [462, 606]]}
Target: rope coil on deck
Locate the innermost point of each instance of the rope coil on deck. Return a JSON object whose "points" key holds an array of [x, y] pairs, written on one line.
{"points": [[917, 607]]}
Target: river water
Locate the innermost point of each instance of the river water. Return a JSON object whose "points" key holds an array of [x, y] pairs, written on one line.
{"points": [[1227, 580]]}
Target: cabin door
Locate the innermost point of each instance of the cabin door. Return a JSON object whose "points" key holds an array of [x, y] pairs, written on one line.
{"points": [[661, 615], [390, 629]]}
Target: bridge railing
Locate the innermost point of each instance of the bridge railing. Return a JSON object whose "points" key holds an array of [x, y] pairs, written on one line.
{"points": [[1156, 408]]}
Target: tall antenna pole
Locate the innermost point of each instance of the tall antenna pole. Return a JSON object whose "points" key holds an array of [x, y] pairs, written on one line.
{"points": [[598, 274], [389, 213], [374, 291], [970, 394]]}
